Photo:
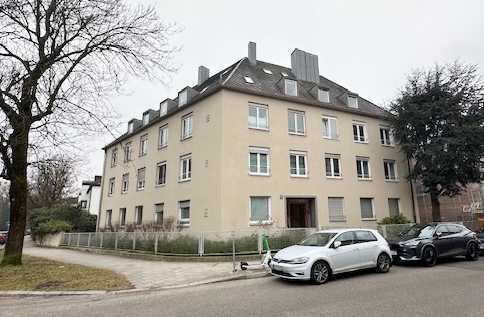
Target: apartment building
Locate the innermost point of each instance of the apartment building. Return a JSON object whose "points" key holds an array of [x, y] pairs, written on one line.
{"points": [[257, 144]]}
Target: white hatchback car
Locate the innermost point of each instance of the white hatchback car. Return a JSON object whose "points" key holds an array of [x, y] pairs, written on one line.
{"points": [[330, 252]]}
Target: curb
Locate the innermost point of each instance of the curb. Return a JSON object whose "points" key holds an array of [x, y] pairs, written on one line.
{"points": [[244, 276]]}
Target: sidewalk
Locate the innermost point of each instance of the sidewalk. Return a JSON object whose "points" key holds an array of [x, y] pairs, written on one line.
{"points": [[143, 274]]}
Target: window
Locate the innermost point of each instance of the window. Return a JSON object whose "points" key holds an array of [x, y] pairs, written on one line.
{"points": [[296, 122], [109, 214], [333, 165], [267, 71], [163, 108], [185, 168], [390, 170], [298, 164], [248, 80], [346, 238], [111, 186], [353, 101], [163, 137], [127, 152], [386, 137], [122, 216], [258, 117], [330, 130], [130, 127], [161, 173], [336, 209], [140, 184], [453, 229], [182, 98], [363, 168], [394, 206], [363, 236], [83, 204], [323, 95], [125, 183], [443, 230], [259, 161], [143, 145], [159, 213], [366, 205], [359, 132], [184, 213], [114, 157], [146, 118], [290, 87], [260, 209], [187, 127], [138, 215]]}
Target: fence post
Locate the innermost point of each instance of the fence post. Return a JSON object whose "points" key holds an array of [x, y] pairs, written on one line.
{"points": [[78, 238], [259, 242], [89, 240], [156, 241], [69, 240], [201, 246], [116, 241], [134, 240], [102, 240]]}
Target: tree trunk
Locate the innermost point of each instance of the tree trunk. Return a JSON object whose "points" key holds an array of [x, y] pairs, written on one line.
{"points": [[434, 198], [18, 198]]}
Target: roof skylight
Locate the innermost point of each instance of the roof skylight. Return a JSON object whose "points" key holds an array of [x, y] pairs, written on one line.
{"points": [[284, 74], [267, 71], [248, 80]]}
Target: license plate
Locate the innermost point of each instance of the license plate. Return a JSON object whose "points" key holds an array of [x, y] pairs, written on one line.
{"points": [[392, 252]]}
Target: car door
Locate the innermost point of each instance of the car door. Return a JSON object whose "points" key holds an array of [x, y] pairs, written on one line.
{"points": [[346, 256], [457, 243], [367, 245], [443, 240]]}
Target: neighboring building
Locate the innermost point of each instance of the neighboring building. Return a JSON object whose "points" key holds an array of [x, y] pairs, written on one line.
{"points": [[257, 144], [90, 195]]}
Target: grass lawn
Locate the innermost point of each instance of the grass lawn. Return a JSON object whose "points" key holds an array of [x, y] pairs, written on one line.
{"points": [[39, 274]]}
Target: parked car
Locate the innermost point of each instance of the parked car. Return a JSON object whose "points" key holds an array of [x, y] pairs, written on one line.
{"points": [[480, 236], [3, 238], [428, 242], [329, 252]]}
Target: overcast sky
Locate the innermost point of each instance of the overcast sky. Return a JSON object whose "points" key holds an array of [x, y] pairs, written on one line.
{"points": [[367, 46]]}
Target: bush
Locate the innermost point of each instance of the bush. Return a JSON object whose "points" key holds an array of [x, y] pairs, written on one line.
{"points": [[52, 226], [400, 219]]}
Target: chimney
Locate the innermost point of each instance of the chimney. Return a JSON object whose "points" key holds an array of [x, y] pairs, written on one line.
{"points": [[252, 53], [203, 74], [305, 66], [97, 179]]}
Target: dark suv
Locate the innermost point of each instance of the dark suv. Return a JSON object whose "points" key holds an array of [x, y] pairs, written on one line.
{"points": [[428, 242]]}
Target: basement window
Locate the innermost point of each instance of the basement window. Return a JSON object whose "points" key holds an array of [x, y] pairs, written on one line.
{"points": [[248, 80]]}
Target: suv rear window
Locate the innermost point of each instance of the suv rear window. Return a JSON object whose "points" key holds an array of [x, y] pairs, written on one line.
{"points": [[364, 236]]}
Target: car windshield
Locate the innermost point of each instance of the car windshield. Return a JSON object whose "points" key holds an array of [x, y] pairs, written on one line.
{"points": [[419, 231], [319, 239], [481, 234]]}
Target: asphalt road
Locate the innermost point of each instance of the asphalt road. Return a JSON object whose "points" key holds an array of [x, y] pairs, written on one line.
{"points": [[453, 288]]}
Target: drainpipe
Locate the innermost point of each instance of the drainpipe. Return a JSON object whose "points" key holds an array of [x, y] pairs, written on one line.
{"points": [[413, 196]]}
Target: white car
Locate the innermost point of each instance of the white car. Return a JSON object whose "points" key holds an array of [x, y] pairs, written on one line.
{"points": [[330, 252]]}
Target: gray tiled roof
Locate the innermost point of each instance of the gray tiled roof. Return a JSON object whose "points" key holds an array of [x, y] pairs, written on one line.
{"points": [[268, 85]]}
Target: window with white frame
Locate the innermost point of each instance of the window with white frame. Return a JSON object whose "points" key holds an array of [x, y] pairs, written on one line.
{"points": [[163, 108], [186, 126], [363, 167], [184, 212], [122, 216], [336, 209], [386, 137], [359, 132], [140, 179], [366, 205], [330, 128], [114, 157], [298, 164], [323, 95], [163, 136], [353, 101], [143, 145], [125, 183], [185, 168], [290, 87], [161, 173], [128, 152], [259, 161], [394, 207], [296, 122], [159, 213], [182, 97], [260, 209], [258, 116], [111, 186], [146, 118], [390, 170], [333, 165], [109, 215], [138, 215]]}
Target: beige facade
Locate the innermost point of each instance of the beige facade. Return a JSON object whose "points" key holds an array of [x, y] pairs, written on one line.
{"points": [[221, 185]]}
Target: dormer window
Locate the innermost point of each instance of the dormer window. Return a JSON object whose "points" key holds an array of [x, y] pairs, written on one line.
{"points": [[248, 80], [353, 102], [323, 95], [130, 127], [163, 108], [182, 98], [146, 118], [290, 87]]}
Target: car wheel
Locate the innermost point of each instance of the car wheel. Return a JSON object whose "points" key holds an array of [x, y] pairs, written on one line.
{"points": [[429, 256], [383, 263], [472, 254], [320, 272]]}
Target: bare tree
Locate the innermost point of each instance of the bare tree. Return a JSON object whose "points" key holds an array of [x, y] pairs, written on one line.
{"points": [[59, 59]]}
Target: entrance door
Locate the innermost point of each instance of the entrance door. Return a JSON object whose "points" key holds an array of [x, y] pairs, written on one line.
{"points": [[300, 213]]}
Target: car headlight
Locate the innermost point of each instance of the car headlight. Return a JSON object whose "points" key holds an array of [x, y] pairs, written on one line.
{"points": [[411, 244], [301, 260]]}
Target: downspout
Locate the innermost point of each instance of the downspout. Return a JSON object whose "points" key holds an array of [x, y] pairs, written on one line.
{"points": [[413, 196]]}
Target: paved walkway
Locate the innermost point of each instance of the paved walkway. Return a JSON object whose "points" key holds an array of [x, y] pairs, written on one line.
{"points": [[141, 273]]}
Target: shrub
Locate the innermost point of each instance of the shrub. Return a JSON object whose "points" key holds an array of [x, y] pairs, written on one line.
{"points": [[399, 219]]}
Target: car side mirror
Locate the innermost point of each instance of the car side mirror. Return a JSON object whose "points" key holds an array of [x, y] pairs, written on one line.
{"points": [[337, 244], [438, 235]]}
